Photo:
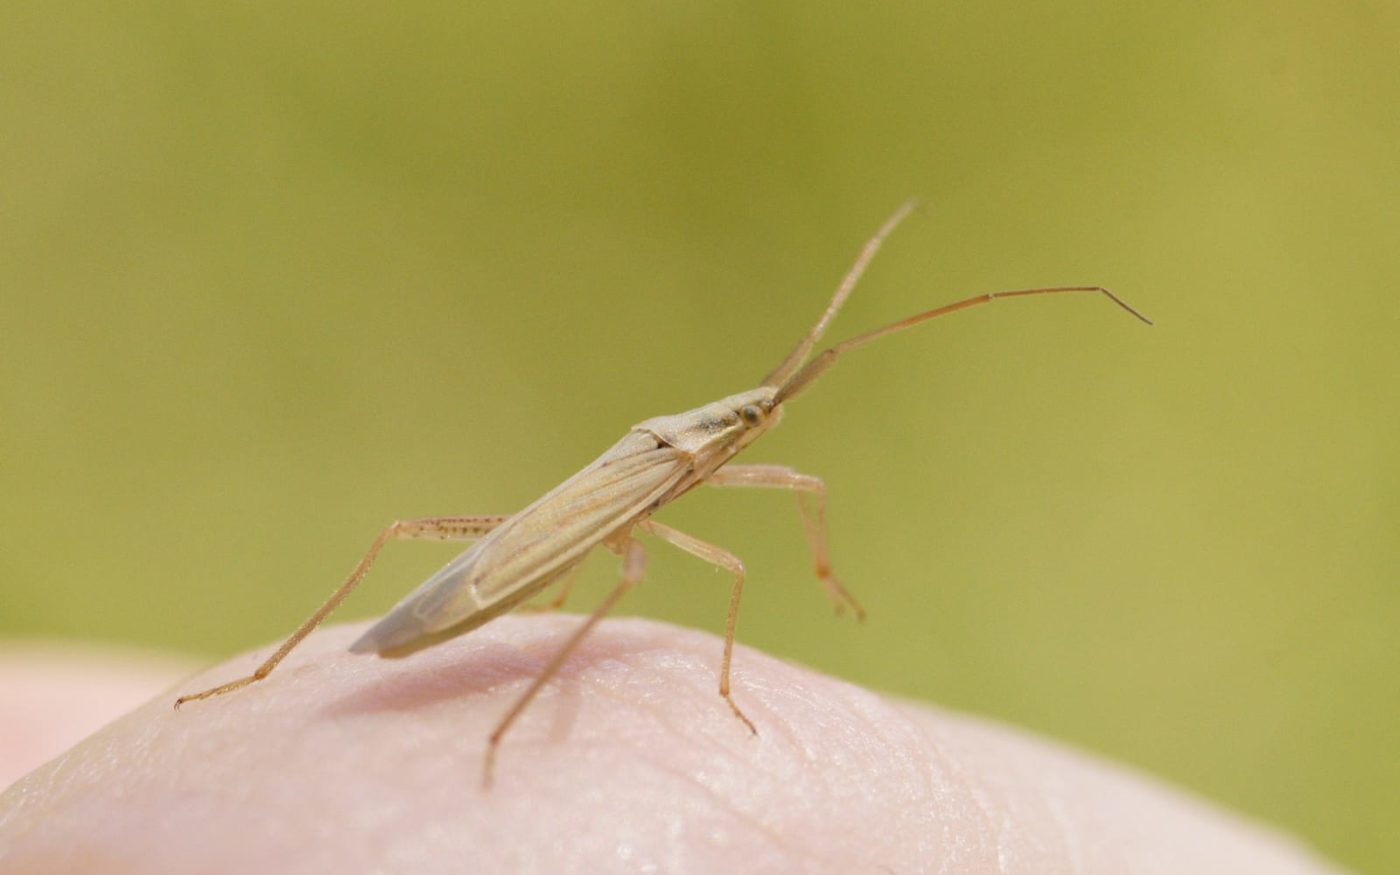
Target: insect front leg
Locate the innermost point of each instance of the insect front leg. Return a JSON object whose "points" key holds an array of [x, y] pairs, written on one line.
{"points": [[445, 528], [724, 559], [813, 524], [634, 563]]}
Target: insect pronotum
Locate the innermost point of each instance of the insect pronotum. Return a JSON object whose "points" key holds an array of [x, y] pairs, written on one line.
{"points": [[516, 557]]}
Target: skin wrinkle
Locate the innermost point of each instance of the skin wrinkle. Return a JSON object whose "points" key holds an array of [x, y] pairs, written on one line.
{"points": [[925, 771], [1009, 843], [738, 815], [1000, 812], [794, 697], [871, 738], [920, 797], [868, 729], [698, 778], [992, 818], [658, 661], [872, 742], [717, 800], [982, 794], [963, 790]]}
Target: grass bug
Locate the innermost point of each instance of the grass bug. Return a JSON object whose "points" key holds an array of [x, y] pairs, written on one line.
{"points": [[516, 557]]}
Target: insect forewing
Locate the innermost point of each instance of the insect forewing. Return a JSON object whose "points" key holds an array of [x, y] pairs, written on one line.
{"points": [[532, 548]]}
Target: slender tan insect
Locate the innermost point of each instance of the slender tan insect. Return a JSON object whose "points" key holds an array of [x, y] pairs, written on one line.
{"points": [[609, 501]]}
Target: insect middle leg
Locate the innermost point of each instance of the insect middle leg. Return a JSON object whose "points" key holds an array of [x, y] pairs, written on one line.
{"points": [[445, 528], [724, 559], [813, 524], [634, 562]]}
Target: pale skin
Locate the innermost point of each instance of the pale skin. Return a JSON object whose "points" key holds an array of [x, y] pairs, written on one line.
{"points": [[340, 764], [609, 502]]}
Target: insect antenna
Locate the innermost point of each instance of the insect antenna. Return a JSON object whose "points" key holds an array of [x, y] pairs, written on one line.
{"points": [[814, 368], [783, 372]]}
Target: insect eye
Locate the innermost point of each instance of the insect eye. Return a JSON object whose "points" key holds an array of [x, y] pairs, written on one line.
{"points": [[751, 414]]}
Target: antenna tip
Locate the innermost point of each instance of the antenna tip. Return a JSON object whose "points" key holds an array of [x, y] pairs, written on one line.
{"points": [[1126, 306]]}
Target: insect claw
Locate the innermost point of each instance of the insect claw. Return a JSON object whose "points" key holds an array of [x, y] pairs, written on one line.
{"points": [[849, 603], [841, 599], [740, 714]]}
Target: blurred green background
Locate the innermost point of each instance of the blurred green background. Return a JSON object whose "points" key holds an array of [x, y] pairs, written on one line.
{"points": [[274, 276]]}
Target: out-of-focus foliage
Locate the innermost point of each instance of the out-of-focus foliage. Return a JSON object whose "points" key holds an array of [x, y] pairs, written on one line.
{"points": [[273, 275]]}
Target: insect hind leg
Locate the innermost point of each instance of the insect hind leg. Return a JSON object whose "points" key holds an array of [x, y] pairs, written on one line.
{"points": [[634, 561], [446, 528]]}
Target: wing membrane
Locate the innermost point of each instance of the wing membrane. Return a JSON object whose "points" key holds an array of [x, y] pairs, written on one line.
{"points": [[527, 551]]}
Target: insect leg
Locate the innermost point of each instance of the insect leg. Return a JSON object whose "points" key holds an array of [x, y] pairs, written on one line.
{"points": [[566, 585], [724, 559], [446, 528], [634, 562], [813, 524]]}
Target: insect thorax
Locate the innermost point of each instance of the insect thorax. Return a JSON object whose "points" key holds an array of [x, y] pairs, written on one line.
{"points": [[719, 426]]}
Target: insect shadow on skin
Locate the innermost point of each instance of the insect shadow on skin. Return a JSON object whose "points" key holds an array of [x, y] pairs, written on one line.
{"points": [[481, 668], [515, 557]]}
